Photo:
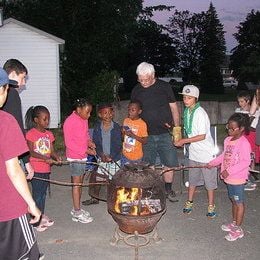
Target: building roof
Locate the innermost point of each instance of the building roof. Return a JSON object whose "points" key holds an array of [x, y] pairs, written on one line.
{"points": [[31, 28]]}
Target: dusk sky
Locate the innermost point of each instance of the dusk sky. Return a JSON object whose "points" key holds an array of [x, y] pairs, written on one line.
{"points": [[230, 12]]}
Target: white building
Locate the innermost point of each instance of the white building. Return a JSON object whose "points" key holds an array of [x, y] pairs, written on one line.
{"points": [[39, 52]]}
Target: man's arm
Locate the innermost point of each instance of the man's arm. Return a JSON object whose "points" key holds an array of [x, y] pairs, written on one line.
{"points": [[175, 113], [17, 177]]}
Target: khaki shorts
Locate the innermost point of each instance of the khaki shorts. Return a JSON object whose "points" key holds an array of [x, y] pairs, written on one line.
{"points": [[202, 176]]}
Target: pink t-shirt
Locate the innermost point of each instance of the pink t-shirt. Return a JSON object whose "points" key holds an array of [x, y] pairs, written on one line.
{"points": [[235, 159], [12, 144], [41, 144], [76, 136]]}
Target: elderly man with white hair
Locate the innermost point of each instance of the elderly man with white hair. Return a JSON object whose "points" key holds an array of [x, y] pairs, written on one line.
{"points": [[159, 108]]}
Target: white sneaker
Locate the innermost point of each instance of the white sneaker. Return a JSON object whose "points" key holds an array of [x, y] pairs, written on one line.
{"points": [[86, 213], [80, 217]]}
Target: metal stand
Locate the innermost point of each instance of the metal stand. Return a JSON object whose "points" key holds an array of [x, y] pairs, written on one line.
{"points": [[135, 240]]}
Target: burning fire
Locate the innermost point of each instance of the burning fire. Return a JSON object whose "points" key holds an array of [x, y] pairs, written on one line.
{"points": [[128, 201]]}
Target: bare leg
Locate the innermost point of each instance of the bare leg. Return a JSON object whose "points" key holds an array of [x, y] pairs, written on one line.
{"points": [[76, 191], [191, 192], [211, 197], [234, 211], [240, 211]]}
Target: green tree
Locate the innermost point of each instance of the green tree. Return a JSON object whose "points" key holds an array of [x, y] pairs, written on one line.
{"points": [[212, 53], [151, 43], [245, 58], [97, 36], [185, 30]]}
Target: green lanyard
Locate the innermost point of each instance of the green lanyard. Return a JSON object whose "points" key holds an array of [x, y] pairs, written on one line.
{"points": [[188, 118]]}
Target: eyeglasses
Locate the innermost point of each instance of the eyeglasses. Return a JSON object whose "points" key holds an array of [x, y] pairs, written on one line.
{"points": [[145, 80], [231, 129]]}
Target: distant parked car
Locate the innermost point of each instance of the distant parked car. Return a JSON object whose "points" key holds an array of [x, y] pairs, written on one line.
{"points": [[230, 83]]}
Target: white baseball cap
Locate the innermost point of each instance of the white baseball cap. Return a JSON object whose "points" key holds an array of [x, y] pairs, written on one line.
{"points": [[190, 90]]}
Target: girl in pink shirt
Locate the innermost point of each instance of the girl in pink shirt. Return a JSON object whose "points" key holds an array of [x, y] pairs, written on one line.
{"points": [[78, 146], [40, 143], [235, 162]]}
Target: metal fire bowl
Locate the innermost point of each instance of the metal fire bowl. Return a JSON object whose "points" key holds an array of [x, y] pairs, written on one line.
{"points": [[142, 224]]}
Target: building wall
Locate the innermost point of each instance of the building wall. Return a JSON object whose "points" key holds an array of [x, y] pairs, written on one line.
{"points": [[218, 112], [40, 55]]}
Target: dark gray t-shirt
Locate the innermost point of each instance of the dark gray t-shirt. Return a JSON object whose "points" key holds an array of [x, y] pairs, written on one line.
{"points": [[155, 102]]}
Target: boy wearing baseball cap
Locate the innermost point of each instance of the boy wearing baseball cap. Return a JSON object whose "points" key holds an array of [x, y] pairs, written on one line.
{"points": [[200, 146]]}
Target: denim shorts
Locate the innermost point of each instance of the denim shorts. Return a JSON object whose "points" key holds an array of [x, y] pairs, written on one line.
{"points": [[77, 169], [236, 192], [162, 146]]}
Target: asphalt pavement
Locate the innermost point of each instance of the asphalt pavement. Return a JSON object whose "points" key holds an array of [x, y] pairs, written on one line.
{"points": [[184, 237]]}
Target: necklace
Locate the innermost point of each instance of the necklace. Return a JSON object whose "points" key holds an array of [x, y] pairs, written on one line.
{"points": [[188, 118]]}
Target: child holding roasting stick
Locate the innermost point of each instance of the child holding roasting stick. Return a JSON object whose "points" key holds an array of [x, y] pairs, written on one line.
{"points": [[40, 143], [201, 149], [235, 162]]}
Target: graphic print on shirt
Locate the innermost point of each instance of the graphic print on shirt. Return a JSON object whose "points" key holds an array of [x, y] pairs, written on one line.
{"points": [[129, 142], [228, 156], [42, 146]]}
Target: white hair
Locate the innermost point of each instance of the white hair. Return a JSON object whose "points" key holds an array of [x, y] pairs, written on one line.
{"points": [[145, 68]]}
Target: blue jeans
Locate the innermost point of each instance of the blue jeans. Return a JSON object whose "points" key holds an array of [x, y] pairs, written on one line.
{"points": [[236, 192], [39, 190], [160, 145]]}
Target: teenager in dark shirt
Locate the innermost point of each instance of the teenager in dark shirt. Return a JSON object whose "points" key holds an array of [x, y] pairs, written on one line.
{"points": [[18, 72]]}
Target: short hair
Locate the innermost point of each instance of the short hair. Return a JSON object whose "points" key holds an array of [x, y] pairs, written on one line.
{"points": [[244, 94], [14, 65], [145, 68], [104, 105], [136, 102]]}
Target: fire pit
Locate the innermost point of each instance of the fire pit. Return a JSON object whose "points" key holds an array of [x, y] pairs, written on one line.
{"points": [[136, 199]]}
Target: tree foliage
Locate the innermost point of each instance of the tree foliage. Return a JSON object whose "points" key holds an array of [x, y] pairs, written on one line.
{"points": [[99, 36], [245, 59], [185, 29], [212, 53]]}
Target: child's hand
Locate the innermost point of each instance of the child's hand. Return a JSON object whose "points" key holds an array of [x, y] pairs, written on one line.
{"points": [[91, 151], [58, 160], [179, 143], [130, 133], [50, 161], [29, 175], [91, 144], [209, 166], [106, 158], [29, 170], [224, 174]]}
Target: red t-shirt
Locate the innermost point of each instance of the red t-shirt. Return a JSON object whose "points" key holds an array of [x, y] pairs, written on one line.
{"points": [[12, 144], [41, 144]]}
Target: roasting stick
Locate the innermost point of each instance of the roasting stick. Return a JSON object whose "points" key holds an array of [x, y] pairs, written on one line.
{"points": [[183, 167], [65, 162], [71, 183], [63, 183]]}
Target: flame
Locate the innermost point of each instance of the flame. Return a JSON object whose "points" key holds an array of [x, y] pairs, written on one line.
{"points": [[134, 211], [128, 199], [125, 195]]}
